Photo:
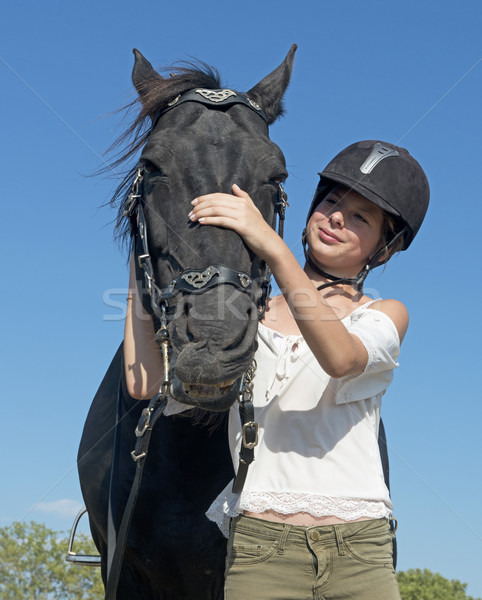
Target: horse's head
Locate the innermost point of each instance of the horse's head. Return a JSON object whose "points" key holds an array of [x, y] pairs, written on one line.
{"points": [[202, 142]]}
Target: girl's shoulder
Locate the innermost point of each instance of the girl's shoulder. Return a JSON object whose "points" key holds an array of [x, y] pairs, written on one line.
{"points": [[397, 312]]}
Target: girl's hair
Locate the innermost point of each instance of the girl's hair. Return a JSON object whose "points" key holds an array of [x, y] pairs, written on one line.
{"points": [[390, 227]]}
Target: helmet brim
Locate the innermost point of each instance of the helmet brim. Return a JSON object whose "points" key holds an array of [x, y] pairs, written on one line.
{"points": [[358, 187]]}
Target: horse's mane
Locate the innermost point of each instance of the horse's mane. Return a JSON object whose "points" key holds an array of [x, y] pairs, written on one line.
{"points": [[156, 94]]}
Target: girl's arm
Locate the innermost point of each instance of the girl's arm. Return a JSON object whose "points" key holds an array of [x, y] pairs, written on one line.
{"points": [[339, 352], [142, 355]]}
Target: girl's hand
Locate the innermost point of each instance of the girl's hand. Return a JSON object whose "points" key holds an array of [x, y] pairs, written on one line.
{"points": [[239, 213]]}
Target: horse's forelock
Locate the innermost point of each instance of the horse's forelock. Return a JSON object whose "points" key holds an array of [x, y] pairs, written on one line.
{"points": [[157, 93]]}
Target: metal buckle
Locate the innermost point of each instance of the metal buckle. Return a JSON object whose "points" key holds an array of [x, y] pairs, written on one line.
{"points": [[282, 202], [144, 422], [247, 444], [140, 260], [244, 280], [136, 457]]}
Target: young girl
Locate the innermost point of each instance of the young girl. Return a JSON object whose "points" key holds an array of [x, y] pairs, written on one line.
{"points": [[312, 518]]}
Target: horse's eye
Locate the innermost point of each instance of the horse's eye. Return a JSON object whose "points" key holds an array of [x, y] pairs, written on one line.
{"points": [[278, 179], [150, 167]]}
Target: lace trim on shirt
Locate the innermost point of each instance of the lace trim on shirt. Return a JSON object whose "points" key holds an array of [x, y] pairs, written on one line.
{"points": [[287, 503]]}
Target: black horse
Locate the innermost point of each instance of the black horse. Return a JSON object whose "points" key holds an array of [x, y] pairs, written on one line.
{"points": [[198, 142]]}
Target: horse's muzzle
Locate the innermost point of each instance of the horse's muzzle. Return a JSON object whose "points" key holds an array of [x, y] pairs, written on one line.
{"points": [[208, 397]]}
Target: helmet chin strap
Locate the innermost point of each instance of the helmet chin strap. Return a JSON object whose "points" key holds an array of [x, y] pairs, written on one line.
{"points": [[357, 281]]}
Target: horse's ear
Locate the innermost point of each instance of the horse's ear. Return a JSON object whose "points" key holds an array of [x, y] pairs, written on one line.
{"points": [[268, 93], [143, 74]]}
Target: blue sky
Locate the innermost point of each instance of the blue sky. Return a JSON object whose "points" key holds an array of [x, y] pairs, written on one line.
{"points": [[408, 73]]}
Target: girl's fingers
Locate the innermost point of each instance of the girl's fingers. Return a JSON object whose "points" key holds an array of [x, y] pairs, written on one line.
{"points": [[218, 204], [220, 197], [232, 211], [237, 191], [217, 196], [219, 221], [217, 210]]}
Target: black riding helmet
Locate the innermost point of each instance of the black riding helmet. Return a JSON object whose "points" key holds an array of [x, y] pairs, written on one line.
{"points": [[388, 176]]}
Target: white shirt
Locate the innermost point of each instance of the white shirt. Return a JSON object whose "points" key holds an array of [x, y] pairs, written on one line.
{"points": [[318, 436]]}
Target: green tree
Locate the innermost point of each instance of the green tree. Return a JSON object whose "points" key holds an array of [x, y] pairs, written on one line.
{"points": [[416, 584], [33, 566]]}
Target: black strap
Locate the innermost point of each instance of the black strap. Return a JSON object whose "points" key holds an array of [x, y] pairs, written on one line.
{"points": [[280, 208], [249, 435], [197, 281], [249, 427], [112, 507], [216, 98], [148, 419], [383, 448]]}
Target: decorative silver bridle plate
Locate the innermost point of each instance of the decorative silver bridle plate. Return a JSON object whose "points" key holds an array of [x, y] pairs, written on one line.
{"points": [[215, 95], [199, 280]]}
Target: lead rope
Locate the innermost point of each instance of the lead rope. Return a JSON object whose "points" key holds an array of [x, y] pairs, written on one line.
{"points": [[148, 419]]}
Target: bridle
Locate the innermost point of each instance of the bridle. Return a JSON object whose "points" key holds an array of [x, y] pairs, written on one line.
{"points": [[196, 281], [192, 281]]}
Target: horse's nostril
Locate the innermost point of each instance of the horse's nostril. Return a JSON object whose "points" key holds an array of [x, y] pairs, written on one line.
{"points": [[187, 309], [189, 334]]}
